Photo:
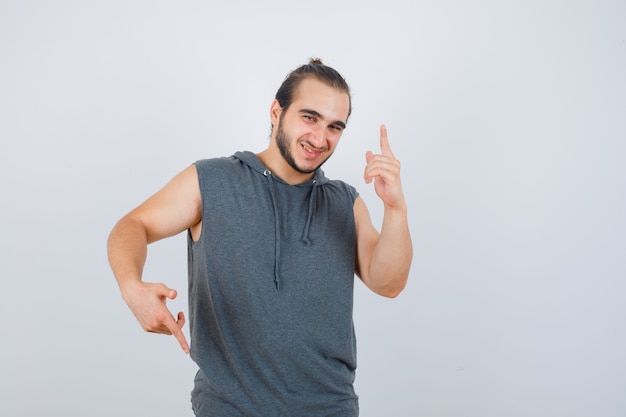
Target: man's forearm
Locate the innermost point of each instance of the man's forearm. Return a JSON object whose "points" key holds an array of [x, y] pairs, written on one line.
{"points": [[391, 260], [127, 250]]}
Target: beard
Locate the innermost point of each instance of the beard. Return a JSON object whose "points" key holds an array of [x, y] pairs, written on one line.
{"points": [[283, 142]]}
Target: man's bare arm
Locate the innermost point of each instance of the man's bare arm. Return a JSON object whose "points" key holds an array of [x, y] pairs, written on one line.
{"points": [[384, 259], [173, 209]]}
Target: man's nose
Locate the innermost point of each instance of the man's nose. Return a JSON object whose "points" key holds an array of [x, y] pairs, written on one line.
{"points": [[318, 136]]}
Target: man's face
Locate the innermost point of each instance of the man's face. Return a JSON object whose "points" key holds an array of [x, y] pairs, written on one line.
{"points": [[307, 133]]}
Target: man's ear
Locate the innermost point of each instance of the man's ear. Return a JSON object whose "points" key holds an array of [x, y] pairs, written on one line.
{"points": [[275, 112]]}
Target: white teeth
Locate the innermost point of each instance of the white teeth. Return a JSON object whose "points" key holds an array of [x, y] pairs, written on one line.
{"points": [[311, 150]]}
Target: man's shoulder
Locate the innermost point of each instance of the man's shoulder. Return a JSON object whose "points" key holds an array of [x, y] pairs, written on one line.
{"points": [[226, 172], [217, 165], [220, 161], [342, 187]]}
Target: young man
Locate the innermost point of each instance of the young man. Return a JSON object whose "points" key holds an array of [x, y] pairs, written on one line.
{"points": [[273, 249]]}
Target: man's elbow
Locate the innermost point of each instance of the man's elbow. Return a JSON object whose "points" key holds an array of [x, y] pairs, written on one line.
{"points": [[391, 290], [394, 292]]}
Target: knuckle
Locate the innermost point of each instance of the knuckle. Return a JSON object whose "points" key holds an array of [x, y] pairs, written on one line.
{"points": [[153, 325], [158, 319], [149, 327]]}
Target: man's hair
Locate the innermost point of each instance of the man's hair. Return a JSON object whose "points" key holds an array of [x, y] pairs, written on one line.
{"points": [[314, 69]]}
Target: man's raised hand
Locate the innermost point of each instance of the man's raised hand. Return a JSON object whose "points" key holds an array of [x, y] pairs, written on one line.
{"points": [[384, 170]]}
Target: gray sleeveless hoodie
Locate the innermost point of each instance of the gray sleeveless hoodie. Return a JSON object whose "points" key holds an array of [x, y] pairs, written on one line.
{"points": [[270, 293]]}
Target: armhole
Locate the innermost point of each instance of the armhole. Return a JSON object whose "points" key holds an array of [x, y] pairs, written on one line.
{"points": [[195, 232]]}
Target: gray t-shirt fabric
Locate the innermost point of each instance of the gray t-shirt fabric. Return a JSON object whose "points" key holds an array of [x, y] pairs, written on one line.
{"points": [[271, 281]]}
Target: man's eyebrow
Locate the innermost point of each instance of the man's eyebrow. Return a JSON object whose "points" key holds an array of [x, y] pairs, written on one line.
{"points": [[317, 114]]}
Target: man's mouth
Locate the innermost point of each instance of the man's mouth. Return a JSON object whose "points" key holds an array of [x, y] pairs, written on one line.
{"points": [[311, 152]]}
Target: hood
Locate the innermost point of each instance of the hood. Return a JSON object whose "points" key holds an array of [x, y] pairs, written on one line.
{"points": [[251, 160], [254, 163]]}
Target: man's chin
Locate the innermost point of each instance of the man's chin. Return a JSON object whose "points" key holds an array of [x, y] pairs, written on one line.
{"points": [[305, 171], [309, 170]]}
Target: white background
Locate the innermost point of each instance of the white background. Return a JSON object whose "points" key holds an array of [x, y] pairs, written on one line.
{"points": [[509, 119]]}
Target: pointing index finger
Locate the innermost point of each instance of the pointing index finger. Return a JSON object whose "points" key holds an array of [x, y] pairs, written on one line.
{"points": [[384, 142], [175, 328]]}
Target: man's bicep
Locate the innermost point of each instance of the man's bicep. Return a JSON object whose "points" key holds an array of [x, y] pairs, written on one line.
{"points": [[174, 208]]}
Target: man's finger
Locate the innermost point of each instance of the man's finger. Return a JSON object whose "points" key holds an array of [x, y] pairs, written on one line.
{"points": [[170, 293], [175, 328], [164, 291], [384, 142], [181, 319]]}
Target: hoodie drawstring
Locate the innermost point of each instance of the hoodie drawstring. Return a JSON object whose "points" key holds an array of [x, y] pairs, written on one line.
{"points": [[307, 226], [305, 233], [268, 175]]}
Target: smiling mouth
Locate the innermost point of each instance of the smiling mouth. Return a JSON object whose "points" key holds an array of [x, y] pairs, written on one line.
{"points": [[310, 151]]}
